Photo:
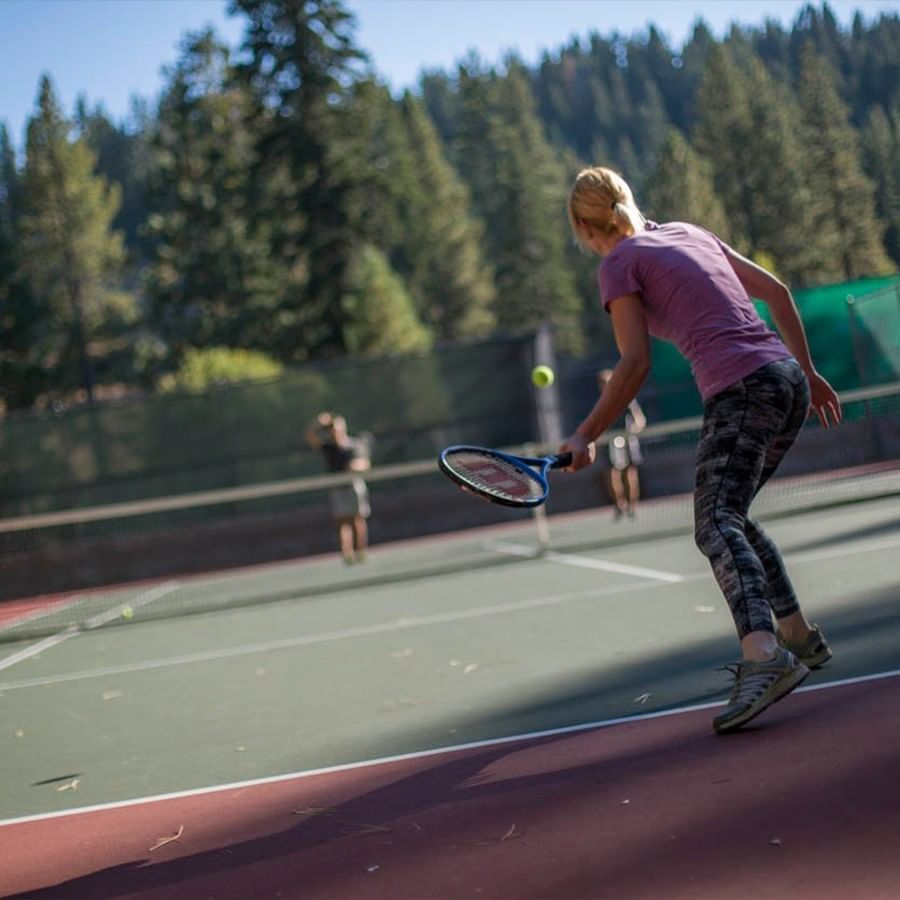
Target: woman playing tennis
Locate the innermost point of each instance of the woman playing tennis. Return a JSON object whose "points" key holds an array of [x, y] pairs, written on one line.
{"points": [[681, 283]]}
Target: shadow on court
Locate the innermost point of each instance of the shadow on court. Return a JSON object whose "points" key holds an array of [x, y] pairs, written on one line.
{"points": [[840, 537], [865, 636], [566, 807], [496, 821]]}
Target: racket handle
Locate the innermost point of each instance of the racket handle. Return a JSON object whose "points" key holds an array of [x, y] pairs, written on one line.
{"points": [[561, 461]]}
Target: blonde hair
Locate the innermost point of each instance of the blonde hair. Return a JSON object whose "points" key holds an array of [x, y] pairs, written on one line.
{"points": [[602, 199]]}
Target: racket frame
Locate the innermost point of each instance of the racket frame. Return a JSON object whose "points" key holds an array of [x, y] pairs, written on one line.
{"points": [[535, 468]]}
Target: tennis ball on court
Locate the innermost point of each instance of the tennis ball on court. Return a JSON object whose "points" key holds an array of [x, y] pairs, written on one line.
{"points": [[127, 612], [542, 376]]}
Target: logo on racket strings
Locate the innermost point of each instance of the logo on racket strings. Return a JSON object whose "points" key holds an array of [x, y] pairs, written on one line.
{"points": [[495, 476]]}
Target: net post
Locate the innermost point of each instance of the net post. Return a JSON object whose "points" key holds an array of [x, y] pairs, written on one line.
{"points": [[549, 419], [542, 527], [539, 515]]}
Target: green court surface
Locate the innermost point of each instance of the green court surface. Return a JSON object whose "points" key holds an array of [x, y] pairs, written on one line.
{"points": [[381, 669]]}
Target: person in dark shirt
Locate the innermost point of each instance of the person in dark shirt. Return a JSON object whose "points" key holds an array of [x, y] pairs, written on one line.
{"points": [[349, 502]]}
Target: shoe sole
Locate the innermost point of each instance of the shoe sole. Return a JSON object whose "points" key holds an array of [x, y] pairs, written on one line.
{"points": [[817, 660], [782, 689]]}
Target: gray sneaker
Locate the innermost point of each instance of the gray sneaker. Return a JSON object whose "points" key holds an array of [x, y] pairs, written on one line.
{"points": [[757, 685], [813, 652]]}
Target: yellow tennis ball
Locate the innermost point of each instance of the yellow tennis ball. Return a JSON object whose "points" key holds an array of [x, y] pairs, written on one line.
{"points": [[127, 612], [542, 376]]}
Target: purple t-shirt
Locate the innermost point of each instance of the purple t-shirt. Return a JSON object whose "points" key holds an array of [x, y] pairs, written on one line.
{"points": [[692, 298]]}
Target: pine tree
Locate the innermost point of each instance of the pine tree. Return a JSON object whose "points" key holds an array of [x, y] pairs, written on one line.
{"points": [[389, 166], [872, 57], [748, 129], [519, 188], [69, 253], [211, 281], [441, 103], [571, 95], [773, 46], [380, 314], [447, 273], [608, 101], [651, 87], [416, 210], [650, 124], [10, 182], [23, 317], [693, 61], [724, 126], [881, 143], [123, 158], [664, 70], [819, 28], [846, 207], [301, 61], [681, 188]]}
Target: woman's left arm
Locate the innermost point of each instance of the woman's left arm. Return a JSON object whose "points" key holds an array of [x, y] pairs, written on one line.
{"points": [[762, 284]]}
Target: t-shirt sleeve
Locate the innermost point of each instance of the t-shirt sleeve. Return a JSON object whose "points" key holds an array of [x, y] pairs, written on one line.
{"points": [[715, 238], [617, 277]]}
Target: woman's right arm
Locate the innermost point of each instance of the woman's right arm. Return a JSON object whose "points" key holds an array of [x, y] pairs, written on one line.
{"points": [[766, 287], [633, 340]]}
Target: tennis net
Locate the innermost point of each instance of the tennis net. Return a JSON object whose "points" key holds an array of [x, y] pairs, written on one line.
{"points": [[91, 567]]}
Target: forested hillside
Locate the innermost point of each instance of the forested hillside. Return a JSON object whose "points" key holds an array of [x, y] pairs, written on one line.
{"points": [[277, 205]]}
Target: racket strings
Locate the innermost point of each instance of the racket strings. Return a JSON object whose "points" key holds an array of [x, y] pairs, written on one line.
{"points": [[497, 476]]}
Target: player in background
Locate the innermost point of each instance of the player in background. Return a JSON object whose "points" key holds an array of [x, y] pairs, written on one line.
{"points": [[681, 283], [625, 455], [349, 502]]}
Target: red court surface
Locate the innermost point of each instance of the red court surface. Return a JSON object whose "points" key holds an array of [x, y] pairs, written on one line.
{"points": [[16, 611], [806, 803]]}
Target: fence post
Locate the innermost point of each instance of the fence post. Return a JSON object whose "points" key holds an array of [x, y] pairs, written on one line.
{"points": [[856, 339]]}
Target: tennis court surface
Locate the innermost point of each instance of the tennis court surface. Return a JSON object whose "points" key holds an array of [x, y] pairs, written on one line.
{"points": [[464, 716]]}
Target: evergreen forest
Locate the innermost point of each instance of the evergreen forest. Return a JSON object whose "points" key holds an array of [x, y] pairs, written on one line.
{"points": [[277, 205]]}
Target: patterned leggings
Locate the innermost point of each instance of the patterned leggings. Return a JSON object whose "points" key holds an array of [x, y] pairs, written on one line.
{"points": [[747, 429]]}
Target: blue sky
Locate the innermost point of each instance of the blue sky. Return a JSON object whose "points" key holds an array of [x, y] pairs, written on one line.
{"points": [[111, 50]]}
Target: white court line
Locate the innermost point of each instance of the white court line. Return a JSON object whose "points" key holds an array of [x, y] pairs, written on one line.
{"points": [[423, 754], [405, 623], [138, 601], [39, 647], [850, 550], [329, 636], [584, 562]]}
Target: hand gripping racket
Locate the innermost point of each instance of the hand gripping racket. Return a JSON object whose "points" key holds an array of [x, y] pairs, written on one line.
{"points": [[501, 477]]}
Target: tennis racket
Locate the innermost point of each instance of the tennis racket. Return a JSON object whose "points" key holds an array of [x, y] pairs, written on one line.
{"points": [[501, 477]]}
